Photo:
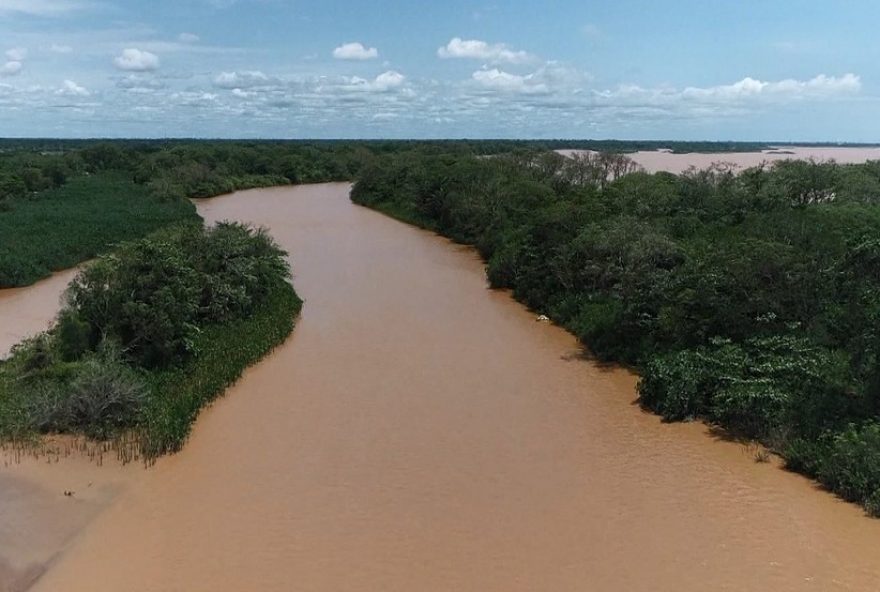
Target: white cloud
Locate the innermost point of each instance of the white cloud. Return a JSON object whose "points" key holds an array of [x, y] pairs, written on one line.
{"points": [[188, 38], [41, 7], [17, 54], [748, 87], [246, 79], [355, 51], [480, 50], [70, 88], [136, 60], [56, 48], [388, 80], [10, 68], [551, 78], [504, 81], [383, 82]]}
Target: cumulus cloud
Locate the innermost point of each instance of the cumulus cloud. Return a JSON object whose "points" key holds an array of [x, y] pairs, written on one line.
{"points": [[136, 60], [551, 78], [504, 81], [70, 88], [383, 82], [188, 38], [246, 79], [10, 68], [17, 54], [355, 51], [474, 49], [388, 80], [750, 88]]}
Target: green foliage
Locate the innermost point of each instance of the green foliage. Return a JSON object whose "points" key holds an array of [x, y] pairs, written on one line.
{"points": [[74, 336], [63, 227], [150, 334], [154, 294], [71, 201], [852, 466]]}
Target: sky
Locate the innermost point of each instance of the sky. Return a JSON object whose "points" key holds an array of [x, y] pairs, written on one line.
{"points": [[785, 70]]}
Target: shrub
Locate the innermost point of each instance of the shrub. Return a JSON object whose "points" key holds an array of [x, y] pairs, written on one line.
{"points": [[74, 336], [98, 396], [852, 466]]}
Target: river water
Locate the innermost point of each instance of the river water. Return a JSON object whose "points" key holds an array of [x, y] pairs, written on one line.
{"points": [[420, 432], [26, 311], [662, 160]]}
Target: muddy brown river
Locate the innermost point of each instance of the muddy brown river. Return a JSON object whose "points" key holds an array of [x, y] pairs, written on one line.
{"points": [[662, 160], [419, 432]]}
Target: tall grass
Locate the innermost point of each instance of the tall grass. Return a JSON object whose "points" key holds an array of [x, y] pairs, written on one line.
{"points": [[59, 228]]}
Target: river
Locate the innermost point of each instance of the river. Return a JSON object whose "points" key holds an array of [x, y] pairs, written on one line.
{"points": [[421, 432], [654, 161]]}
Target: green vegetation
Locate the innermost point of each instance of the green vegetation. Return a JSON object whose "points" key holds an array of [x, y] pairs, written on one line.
{"points": [[750, 300], [65, 201], [149, 335], [59, 208], [63, 226]]}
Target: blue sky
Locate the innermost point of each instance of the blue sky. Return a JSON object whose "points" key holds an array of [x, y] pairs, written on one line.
{"points": [[687, 69]]}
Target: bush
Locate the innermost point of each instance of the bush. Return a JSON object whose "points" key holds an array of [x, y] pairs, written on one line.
{"points": [[146, 295], [97, 396], [74, 336], [152, 295], [852, 466]]}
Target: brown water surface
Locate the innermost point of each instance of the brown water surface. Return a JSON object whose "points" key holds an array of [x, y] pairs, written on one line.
{"points": [[661, 160], [27, 311], [420, 432]]}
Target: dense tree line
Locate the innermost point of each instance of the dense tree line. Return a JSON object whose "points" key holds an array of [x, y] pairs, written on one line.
{"points": [[751, 300]]}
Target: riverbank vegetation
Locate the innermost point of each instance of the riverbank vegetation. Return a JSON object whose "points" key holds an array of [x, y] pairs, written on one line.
{"points": [[64, 201], [61, 207], [749, 300], [149, 334], [64, 226]]}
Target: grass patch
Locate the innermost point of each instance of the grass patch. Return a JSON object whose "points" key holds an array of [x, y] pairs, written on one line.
{"points": [[62, 227]]}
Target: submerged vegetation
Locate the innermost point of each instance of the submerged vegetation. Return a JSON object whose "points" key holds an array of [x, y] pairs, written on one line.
{"points": [[149, 334], [750, 300]]}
